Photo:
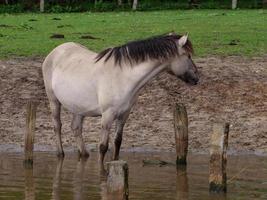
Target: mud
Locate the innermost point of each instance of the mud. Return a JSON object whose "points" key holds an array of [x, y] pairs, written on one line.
{"points": [[232, 89]]}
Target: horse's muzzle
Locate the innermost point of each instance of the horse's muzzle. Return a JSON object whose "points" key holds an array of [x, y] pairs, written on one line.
{"points": [[189, 79], [193, 81]]}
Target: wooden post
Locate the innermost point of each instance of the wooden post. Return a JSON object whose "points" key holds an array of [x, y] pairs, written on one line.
{"points": [[218, 158], [117, 180], [181, 133], [98, 1], [41, 5], [135, 2], [234, 4], [29, 134]]}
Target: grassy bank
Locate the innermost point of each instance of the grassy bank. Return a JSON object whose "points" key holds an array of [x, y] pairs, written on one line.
{"points": [[217, 32], [61, 6]]}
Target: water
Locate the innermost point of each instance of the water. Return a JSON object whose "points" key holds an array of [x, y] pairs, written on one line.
{"points": [[74, 179]]}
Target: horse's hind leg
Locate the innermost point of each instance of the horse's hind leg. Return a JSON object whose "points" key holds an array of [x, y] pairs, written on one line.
{"points": [[55, 109], [118, 134], [76, 126]]}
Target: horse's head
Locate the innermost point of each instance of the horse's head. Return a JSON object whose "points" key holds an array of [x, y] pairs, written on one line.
{"points": [[183, 66]]}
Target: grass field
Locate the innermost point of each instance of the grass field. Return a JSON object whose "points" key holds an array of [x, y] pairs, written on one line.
{"points": [[213, 32]]}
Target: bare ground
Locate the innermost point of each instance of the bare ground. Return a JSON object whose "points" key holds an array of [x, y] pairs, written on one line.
{"points": [[232, 89]]}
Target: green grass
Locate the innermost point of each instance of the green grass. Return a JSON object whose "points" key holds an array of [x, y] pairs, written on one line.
{"points": [[211, 31]]}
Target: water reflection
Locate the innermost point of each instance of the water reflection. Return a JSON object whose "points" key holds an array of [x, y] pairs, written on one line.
{"points": [[29, 184], [103, 187], [105, 195], [57, 180], [78, 186], [77, 182], [69, 179], [181, 183]]}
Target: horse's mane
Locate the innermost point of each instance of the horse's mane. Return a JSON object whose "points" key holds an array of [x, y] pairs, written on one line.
{"points": [[160, 47]]}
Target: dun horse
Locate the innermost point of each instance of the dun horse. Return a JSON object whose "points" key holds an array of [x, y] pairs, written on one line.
{"points": [[107, 84]]}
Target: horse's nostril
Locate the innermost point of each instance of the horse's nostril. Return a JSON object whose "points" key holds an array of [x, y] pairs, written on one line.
{"points": [[195, 81]]}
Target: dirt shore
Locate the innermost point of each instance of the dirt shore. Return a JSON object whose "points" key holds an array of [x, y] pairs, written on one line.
{"points": [[232, 89]]}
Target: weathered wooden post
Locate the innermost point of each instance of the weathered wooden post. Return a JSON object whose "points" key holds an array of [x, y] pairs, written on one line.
{"points": [[41, 5], [218, 158], [117, 180], [234, 4], [181, 133], [29, 134], [135, 3]]}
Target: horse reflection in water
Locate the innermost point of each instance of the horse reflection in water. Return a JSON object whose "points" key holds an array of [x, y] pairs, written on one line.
{"points": [[78, 187], [57, 180], [108, 84]]}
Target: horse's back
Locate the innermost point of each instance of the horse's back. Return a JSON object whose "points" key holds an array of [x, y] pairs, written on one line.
{"points": [[69, 76], [63, 53]]}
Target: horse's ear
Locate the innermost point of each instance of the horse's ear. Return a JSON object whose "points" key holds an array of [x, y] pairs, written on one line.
{"points": [[182, 41]]}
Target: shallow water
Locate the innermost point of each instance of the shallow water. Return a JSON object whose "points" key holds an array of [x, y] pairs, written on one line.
{"points": [[74, 179]]}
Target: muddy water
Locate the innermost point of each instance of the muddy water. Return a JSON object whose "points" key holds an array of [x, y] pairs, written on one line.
{"points": [[73, 179]]}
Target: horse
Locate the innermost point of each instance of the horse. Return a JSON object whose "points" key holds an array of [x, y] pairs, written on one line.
{"points": [[107, 84]]}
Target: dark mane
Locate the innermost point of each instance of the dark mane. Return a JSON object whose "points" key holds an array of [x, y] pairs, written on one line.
{"points": [[160, 47]]}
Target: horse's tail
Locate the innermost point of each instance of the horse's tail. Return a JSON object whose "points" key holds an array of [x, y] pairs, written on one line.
{"points": [[47, 70]]}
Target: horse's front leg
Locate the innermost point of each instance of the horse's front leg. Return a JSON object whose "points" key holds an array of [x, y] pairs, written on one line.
{"points": [[118, 134], [76, 126], [106, 123]]}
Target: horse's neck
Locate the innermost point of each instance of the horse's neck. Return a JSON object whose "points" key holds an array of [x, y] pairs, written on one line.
{"points": [[143, 73]]}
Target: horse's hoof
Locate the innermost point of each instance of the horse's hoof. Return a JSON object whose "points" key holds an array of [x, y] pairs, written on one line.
{"points": [[60, 155], [115, 157]]}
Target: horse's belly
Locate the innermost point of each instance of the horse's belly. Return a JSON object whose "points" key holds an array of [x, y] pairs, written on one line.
{"points": [[76, 96]]}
